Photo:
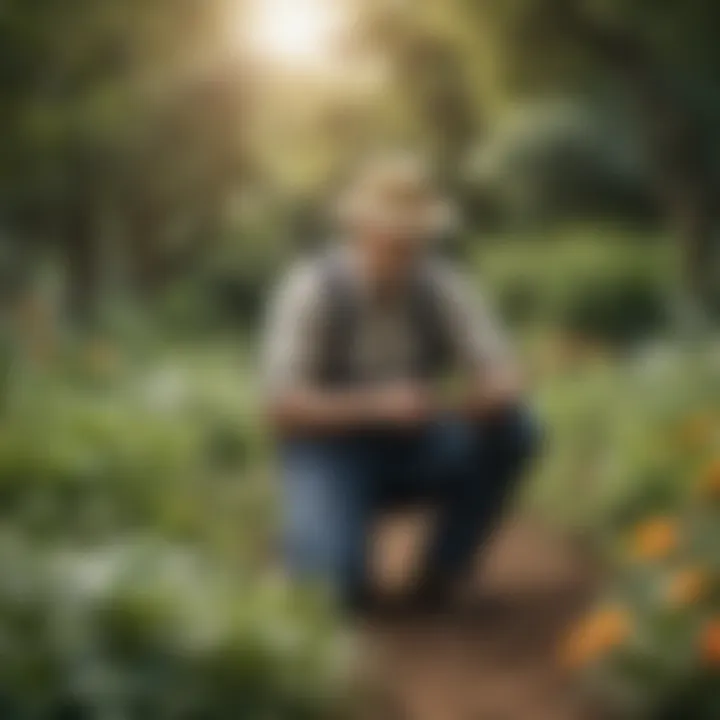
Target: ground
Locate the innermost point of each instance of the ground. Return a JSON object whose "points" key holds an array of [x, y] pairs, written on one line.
{"points": [[496, 659]]}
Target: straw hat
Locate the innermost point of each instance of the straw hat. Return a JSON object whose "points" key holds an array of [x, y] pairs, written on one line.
{"points": [[396, 193]]}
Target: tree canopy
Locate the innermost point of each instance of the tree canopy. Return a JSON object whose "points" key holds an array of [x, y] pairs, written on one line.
{"points": [[151, 122]]}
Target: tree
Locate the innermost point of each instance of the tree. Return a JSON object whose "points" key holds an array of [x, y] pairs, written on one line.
{"points": [[667, 60], [115, 112]]}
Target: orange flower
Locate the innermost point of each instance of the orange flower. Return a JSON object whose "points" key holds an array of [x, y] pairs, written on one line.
{"points": [[595, 636], [710, 643], [687, 587], [710, 481], [655, 539]]}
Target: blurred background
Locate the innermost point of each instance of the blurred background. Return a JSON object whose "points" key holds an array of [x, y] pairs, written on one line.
{"points": [[162, 160]]}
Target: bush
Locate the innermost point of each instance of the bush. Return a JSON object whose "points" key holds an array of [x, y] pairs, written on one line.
{"points": [[551, 160], [653, 646], [615, 290], [70, 460], [134, 547], [620, 431], [635, 463], [145, 629]]}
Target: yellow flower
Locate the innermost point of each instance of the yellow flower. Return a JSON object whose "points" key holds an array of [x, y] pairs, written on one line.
{"points": [[595, 636], [655, 539], [687, 586], [710, 643]]}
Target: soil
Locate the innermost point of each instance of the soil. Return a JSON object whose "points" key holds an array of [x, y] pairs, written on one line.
{"points": [[495, 658]]}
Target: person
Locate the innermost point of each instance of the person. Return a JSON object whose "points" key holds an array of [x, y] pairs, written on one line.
{"points": [[362, 345]]}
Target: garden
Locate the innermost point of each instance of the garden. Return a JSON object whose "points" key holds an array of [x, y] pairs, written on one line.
{"points": [[162, 162], [138, 528]]}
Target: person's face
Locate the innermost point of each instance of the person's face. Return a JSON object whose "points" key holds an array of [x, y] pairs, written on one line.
{"points": [[390, 253]]}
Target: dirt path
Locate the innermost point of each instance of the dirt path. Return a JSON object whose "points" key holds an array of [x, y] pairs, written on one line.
{"points": [[496, 659]]}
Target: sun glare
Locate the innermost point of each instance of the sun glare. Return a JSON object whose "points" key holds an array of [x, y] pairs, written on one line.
{"points": [[295, 31]]}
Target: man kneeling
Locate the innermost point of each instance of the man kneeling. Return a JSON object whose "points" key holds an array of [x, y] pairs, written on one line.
{"points": [[359, 342]]}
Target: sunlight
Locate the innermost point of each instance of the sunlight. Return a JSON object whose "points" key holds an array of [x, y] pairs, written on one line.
{"points": [[295, 31]]}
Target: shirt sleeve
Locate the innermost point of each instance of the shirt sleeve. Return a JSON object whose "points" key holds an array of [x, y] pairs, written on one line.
{"points": [[477, 340], [290, 337]]}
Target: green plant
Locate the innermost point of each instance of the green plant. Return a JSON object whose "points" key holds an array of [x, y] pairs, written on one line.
{"points": [[614, 288]]}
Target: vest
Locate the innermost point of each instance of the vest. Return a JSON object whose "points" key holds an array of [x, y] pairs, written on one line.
{"points": [[342, 319]]}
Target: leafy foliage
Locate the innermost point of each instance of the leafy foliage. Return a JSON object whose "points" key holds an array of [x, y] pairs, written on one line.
{"points": [[639, 452], [136, 542], [596, 284]]}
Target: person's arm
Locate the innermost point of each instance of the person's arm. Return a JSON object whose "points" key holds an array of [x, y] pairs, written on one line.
{"points": [[308, 410], [491, 376], [295, 404]]}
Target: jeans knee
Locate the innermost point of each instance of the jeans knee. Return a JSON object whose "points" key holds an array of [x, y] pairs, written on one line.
{"points": [[310, 554], [450, 446], [323, 506]]}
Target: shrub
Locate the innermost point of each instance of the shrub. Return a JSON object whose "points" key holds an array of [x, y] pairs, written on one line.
{"points": [[624, 434], [145, 629], [652, 645], [132, 524], [660, 652], [94, 444], [616, 289]]}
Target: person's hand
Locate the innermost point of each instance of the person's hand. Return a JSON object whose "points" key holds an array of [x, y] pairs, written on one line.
{"points": [[495, 393], [401, 405], [499, 396]]}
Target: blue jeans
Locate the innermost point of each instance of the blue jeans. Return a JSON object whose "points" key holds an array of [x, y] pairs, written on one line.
{"points": [[334, 486]]}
